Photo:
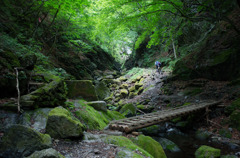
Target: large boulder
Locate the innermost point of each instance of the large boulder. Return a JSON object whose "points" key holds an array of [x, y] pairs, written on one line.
{"points": [[36, 119], [46, 153], [8, 119], [102, 90], [150, 145], [207, 151], [20, 141], [168, 145], [61, 124], [81, 89], [99, 105], [51, 95]]}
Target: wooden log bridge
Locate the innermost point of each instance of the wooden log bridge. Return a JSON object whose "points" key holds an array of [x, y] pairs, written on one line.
{"points": [[133, 123]]}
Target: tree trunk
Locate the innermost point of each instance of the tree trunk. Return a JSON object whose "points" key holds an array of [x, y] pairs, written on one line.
{"points": [[174, 49]]}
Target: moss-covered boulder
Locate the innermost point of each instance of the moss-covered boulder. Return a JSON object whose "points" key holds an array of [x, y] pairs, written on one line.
{"points": [[207, 152], [202, 134], [123, 93], [235, 119], [126, 143], [168, 145], [94, 119], [81, 89], [19, 141], [52, 95], [128, 110], [132, 89], [124, 86], [138, 85], [150, 145], [132, 95], [98, 105], [140, 90], [122, 79], [123, 153], [102, 90], [46, 153], [61, 124]]}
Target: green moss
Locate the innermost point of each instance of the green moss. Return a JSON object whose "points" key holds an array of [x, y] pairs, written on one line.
{"points": [[123, 154], [234, 106], [132, 89], [125, 142], [94, 119], [138, 85], [128, 108], [234, 119], [141, 107], [59, 111], [225, 133], [140, 90], [186, 104], [175, 120], [193, 92], [223, 56], [146, 89], [150, 145], [124, 86], [207, 152]]}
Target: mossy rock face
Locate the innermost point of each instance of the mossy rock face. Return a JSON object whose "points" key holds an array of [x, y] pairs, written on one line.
{"points": [[126, 143], [102, 90], [20, 141], [207, 152], [81, 89], [150, 145], [46, 153], [234, 106], [61, 124], [94, 119], [128, 110], [52, 95], [234, 118]]}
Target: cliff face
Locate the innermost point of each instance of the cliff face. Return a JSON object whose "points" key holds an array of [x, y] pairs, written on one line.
{"points": [[217, 57]]}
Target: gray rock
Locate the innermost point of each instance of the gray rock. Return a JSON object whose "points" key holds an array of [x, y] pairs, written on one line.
{"points": [[78, 89], [168, 145], [228, 156], [19, 141], [36, 119], [98, 105], [102, 90], [46, 153], [202, 134], [7, 119]]}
